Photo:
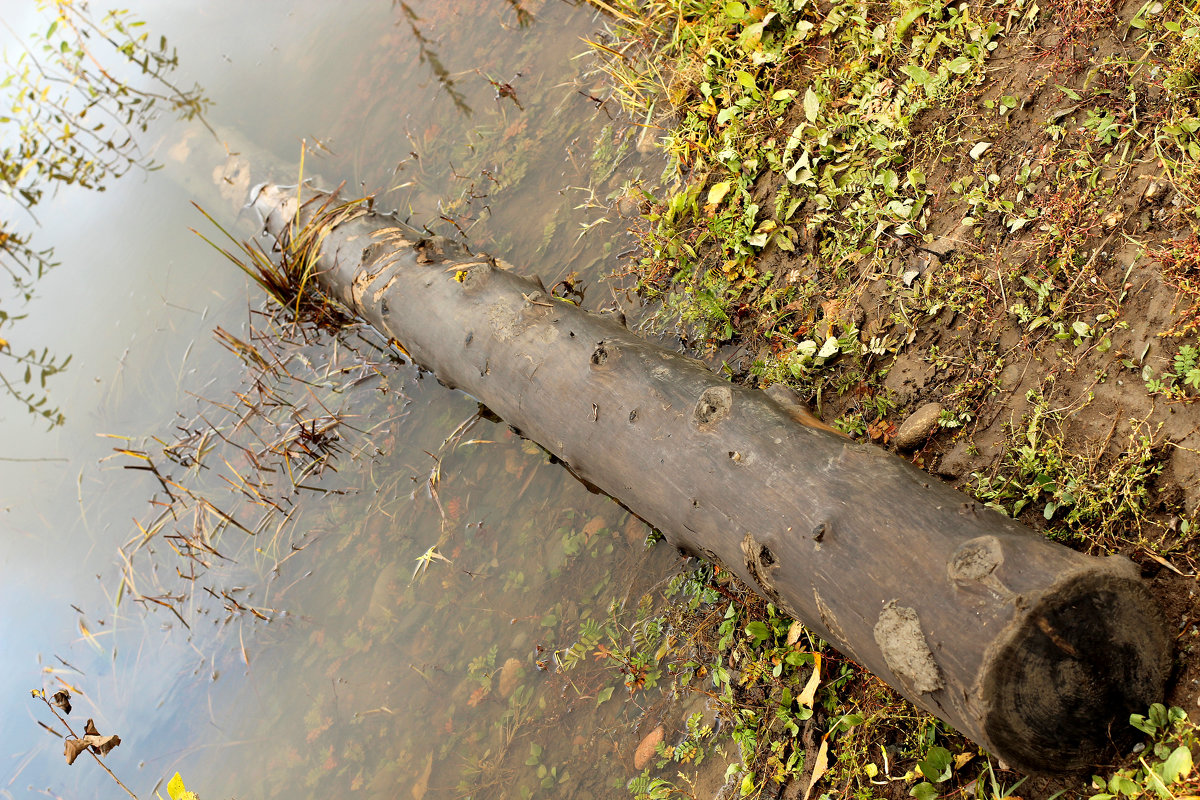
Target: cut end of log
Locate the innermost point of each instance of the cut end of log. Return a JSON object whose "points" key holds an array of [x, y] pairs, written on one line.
{"points": [[1060, 689]]}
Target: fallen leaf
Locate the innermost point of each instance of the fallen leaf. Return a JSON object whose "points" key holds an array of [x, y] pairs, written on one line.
{"points": [[422, 785], [718, 193], [812, 104], [510, 676], [594, 526], [810, 689], [635, 531], [820, 765], [62, 699]]}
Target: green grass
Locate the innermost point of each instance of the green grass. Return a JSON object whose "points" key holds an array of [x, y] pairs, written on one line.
{"points": [[812, 153]]}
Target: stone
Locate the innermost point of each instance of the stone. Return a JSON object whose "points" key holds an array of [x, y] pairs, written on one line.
{"points": [[917, 428], [645, 750], [510, 676]]}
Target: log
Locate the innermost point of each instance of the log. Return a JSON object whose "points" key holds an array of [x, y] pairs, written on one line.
{"points": [[1035, 651]]}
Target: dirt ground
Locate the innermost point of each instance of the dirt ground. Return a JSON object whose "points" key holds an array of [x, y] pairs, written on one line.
{"points": [[1052, 333]]}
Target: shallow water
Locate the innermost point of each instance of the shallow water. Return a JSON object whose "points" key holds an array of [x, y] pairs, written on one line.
{"points": [[391, 627]]}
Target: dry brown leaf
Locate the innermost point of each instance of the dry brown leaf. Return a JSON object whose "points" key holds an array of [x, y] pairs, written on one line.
{"points": [[594, 526], [819, 766], [73, 748], [810, 689], [102, 744], [422, 785], [62, 699]]}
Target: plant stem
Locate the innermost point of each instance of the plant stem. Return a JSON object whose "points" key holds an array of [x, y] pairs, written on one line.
{"points": [[104, 766]]}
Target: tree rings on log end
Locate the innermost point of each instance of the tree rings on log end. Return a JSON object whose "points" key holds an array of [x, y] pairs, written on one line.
{"points": [[1058, 688], [905, 650]]}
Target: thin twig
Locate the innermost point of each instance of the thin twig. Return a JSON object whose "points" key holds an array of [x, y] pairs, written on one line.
{"points": [[67, 725]]}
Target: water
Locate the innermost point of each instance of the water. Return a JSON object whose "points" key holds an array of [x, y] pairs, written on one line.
{"points": [[419, 565]]}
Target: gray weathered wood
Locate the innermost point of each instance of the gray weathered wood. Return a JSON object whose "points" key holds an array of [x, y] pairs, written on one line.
{"points": [[1037, 652]]}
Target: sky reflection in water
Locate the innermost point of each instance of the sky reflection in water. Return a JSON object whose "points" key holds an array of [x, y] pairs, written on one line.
{"points": [[369, 681]]}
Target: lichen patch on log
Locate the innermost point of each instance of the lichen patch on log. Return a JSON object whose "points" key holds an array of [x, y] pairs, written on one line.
{"points": [[905, 650]]}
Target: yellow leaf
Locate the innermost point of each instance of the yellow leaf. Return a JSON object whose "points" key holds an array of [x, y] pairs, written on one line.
{"points": [[175, 787], [422, 785], [3, 343], [810, 689], [89, 636], [819, 766], [717, 193]]}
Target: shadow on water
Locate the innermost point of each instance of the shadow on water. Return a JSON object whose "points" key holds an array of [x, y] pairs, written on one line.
{"points": [[368, 586]]}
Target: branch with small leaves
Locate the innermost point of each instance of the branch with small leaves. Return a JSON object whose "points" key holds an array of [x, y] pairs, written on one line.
{"points": [[91, 741]]}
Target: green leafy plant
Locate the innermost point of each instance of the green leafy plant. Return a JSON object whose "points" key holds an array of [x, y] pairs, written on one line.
{"points": [[1165, 768], [1182, 381], [1094, 493]]}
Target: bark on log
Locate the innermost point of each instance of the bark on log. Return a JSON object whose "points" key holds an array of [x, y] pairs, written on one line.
{"points": [[1036, 652]]}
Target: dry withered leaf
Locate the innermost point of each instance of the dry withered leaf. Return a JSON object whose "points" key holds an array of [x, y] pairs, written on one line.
{"points": [[819, 767], [510, 676], [73, 748], [62, 699], [594, 526], [100, 745]]}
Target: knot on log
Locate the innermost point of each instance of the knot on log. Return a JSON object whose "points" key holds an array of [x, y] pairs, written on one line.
{"points": [[714, 405], [603, 352], [472, 276], [973, 565], [761, 564]]}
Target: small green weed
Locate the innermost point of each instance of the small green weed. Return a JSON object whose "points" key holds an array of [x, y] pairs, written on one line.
{"points": [[1164, 769], [736, 84], [1091, 494], [1182, 381]]}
